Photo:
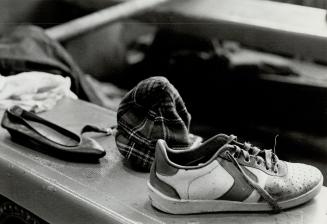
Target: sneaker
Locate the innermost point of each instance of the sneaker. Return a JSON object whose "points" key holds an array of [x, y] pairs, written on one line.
{"points": [[225, 175]]}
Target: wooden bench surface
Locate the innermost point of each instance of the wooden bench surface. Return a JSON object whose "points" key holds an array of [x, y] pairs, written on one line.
{"points": [[109, 192], [266, 30], [272, 26], [297, 31]]}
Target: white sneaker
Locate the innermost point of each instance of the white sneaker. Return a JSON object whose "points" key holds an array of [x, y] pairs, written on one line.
{"points": [[224, 175]]}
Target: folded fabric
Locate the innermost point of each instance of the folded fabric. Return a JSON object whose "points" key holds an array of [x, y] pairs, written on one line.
{"points": [[34, 91], [28, 48], [150, 111]]}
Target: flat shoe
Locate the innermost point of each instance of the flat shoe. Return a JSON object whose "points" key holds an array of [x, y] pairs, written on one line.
{"points": [[30, 130]]}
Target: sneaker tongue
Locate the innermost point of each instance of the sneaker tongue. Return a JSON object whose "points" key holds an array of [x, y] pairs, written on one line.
{"points": [[221, 140], [206, 151], [216, 142]]}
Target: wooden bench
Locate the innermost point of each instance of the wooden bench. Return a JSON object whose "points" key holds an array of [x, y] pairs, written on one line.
{"points": [[109, 192]]}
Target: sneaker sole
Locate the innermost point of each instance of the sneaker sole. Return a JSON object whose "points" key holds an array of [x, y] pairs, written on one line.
{"points": [[175, 206]]}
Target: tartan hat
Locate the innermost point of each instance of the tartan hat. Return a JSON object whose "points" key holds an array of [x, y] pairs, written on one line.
{"points": [[152, 110]]}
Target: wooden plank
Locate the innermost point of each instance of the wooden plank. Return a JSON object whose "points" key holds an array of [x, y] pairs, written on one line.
{"points": [[271, 26], [101, 18], [310, 74]]}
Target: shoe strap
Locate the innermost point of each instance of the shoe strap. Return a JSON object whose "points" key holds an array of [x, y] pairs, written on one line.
{"points": [[263, 193], [91, 128]]}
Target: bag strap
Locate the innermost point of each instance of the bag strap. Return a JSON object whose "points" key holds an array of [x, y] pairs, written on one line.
{"points": [[91, 128]]}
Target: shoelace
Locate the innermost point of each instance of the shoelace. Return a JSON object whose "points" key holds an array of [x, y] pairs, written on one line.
{"points": [[270, 160], [265, 156]]}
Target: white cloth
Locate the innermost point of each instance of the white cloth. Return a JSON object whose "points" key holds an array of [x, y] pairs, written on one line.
{"points": [[34, 91]]}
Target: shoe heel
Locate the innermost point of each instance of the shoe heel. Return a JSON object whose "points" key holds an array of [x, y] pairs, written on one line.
{"points": [[163, 203], [15, 136], [19, 138]]}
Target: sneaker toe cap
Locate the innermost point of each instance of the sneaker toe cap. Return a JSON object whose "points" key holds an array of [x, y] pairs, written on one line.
{"points": [[300, 179]]}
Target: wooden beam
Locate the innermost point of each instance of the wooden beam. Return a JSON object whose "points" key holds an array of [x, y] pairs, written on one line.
{"points": [[310, 74], [271, 26], [101, 18]]}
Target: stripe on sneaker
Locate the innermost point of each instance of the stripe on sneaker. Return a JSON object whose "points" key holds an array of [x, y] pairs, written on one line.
{"points": [[206, 183], [240, 190], [261, 181], [160, 185]]}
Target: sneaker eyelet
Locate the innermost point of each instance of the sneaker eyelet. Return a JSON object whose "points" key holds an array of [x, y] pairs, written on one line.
{"points": [[227, 153], [247, 160]]}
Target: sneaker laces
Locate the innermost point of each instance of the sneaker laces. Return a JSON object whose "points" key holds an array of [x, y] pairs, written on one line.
{"points": [[261, 156]]}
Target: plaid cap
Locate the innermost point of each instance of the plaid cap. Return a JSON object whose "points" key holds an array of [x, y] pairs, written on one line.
{"points": [[150, 111]]}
